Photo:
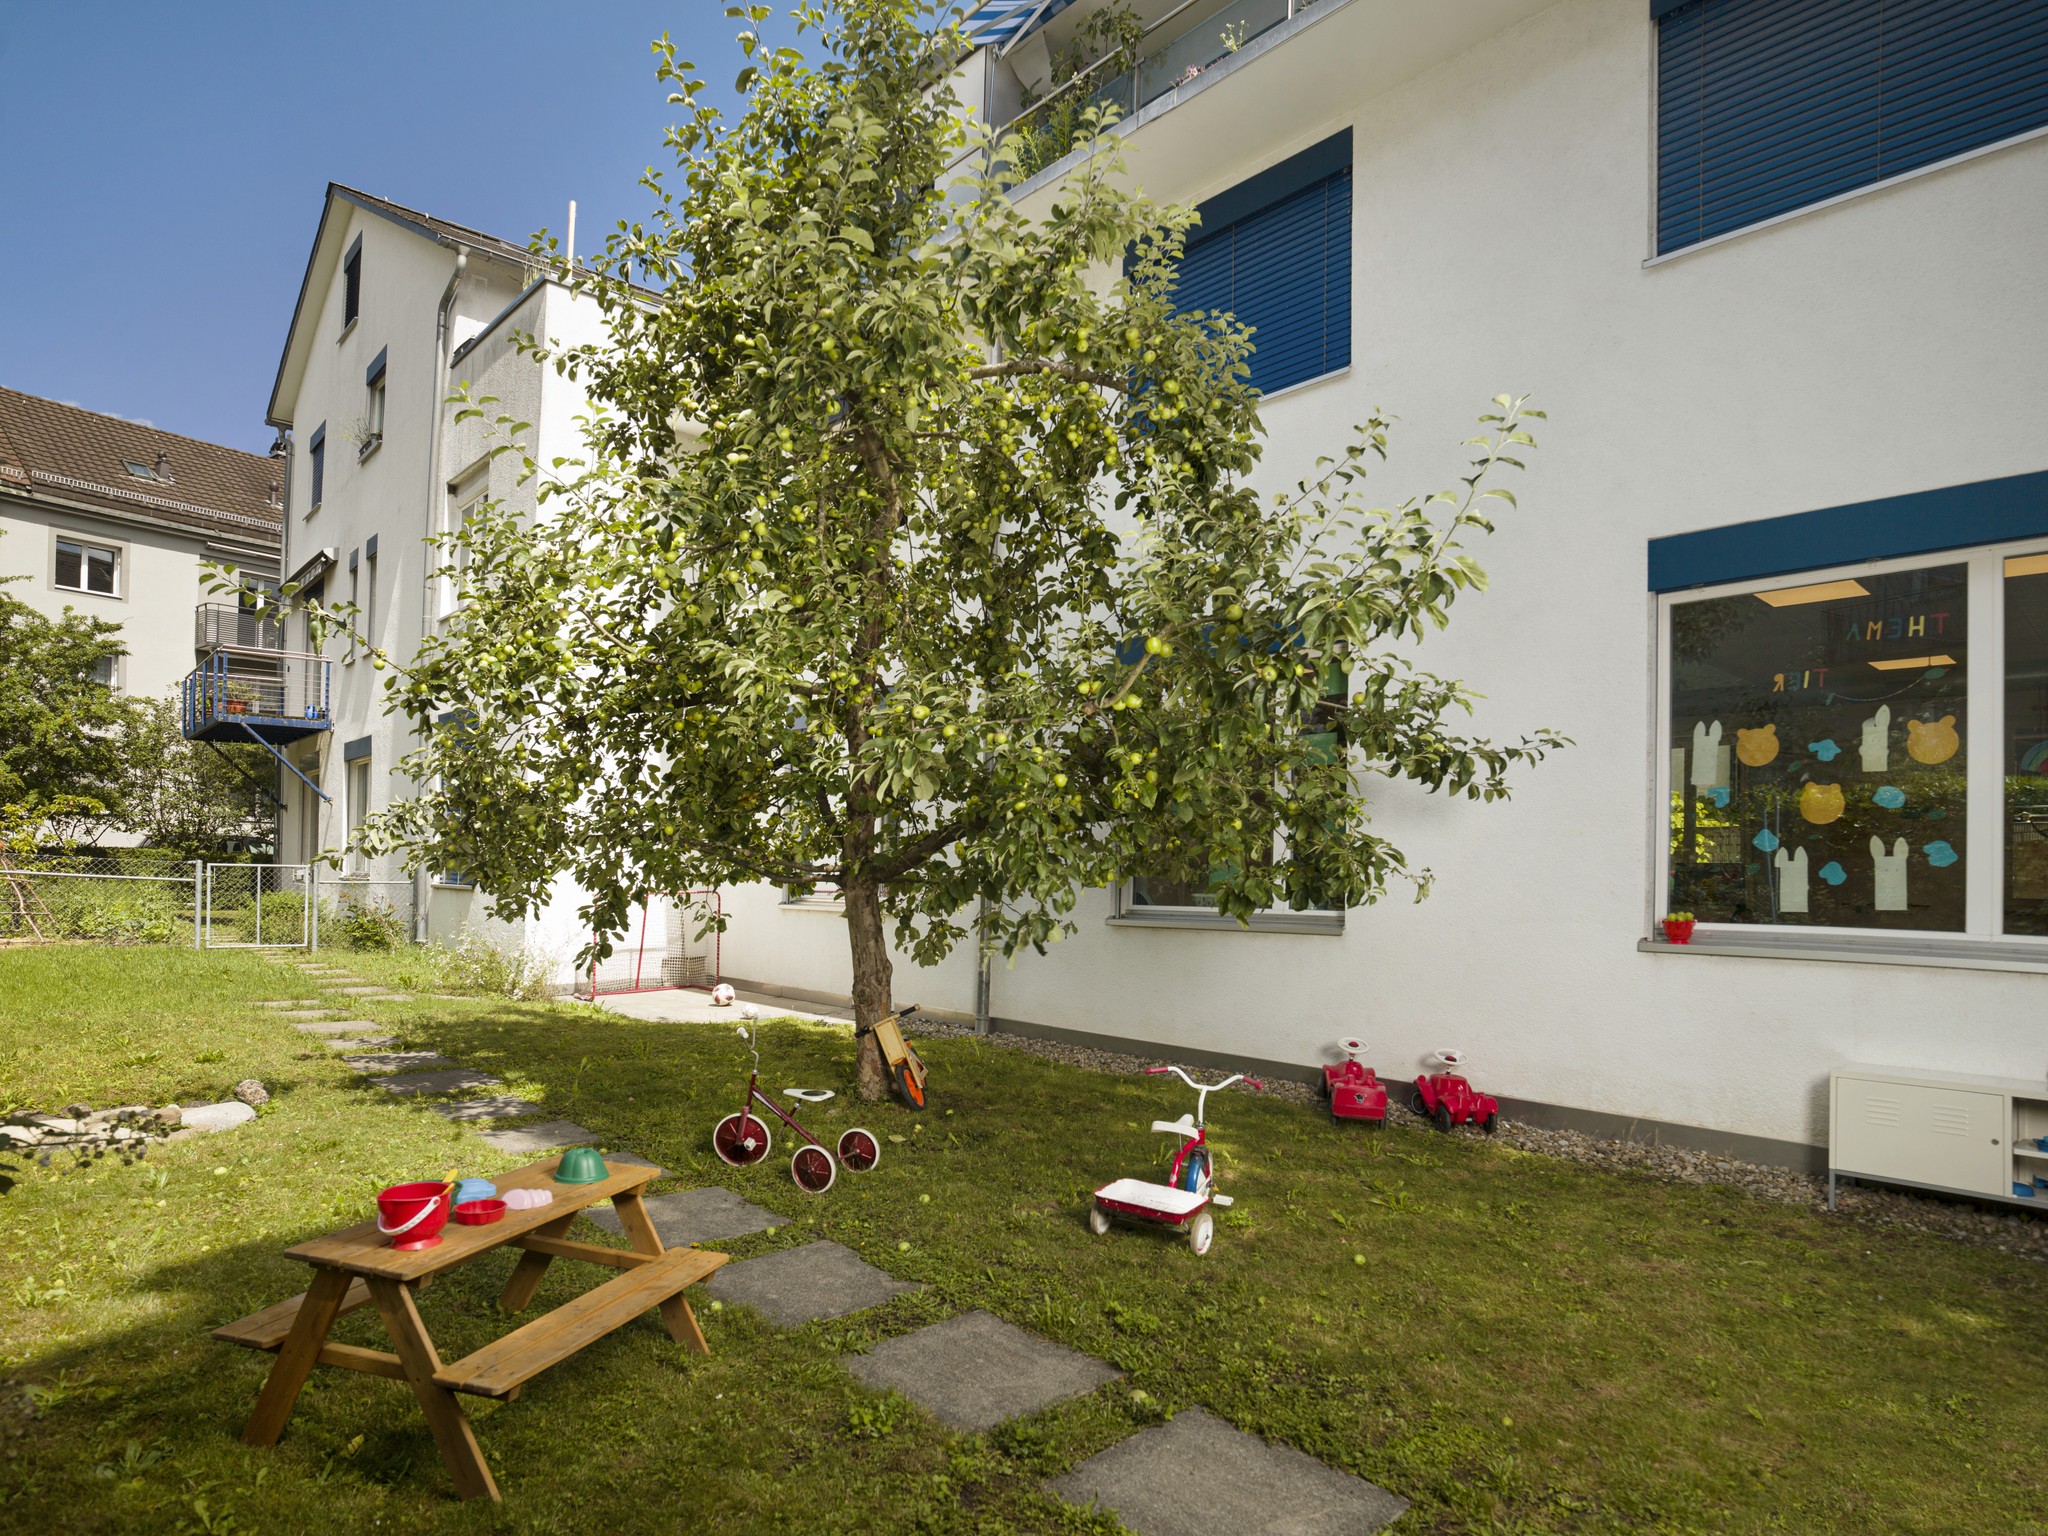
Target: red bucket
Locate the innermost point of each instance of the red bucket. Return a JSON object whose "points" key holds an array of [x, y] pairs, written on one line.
{"points": [[412, 1215]]}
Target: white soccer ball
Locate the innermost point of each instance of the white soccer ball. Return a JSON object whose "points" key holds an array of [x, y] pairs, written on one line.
{"points": [[722, 995]]}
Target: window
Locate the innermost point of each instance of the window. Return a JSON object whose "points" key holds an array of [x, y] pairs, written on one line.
{"points": [[316, 449], [464, 499], [1276, 252], [357, 791], [92, 568], [138, 471], [106, 672], [2025, 738], [1829, 742], [368, 622], [355, 597], [373, 416], [1764, 106], [352, 284]]}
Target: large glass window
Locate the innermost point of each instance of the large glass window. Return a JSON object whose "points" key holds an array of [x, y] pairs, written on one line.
{"points": [[82, 567], [1817, 753], [2026, 744]]}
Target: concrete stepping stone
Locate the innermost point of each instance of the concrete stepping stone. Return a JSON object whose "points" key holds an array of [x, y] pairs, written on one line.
{"points": [[301, 1014], [501, 1106], [545, 1137], [693, 1215], [362, 1043], [368, 992], [799, 1285], [398, 1061], [1197, 1474], [452, 1081], [288, 1002], [335, 1026], [973, 1371]]}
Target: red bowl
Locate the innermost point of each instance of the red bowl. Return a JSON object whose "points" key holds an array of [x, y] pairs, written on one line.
{"points": [[479, 1213]]}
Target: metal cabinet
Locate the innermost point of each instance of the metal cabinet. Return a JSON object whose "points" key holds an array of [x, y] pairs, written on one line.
{"points": [[1938, 1130]]}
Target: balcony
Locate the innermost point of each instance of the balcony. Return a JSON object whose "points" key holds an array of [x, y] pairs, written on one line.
{"points": [[1173, 52], [247, 685]]}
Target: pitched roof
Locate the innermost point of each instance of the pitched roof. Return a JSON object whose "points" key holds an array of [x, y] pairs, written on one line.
{"points": [[64, 453], [427, 224]]}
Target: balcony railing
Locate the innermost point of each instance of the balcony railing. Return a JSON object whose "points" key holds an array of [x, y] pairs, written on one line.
{"points": [[229, 624], [1178, 48], [279, 695]]}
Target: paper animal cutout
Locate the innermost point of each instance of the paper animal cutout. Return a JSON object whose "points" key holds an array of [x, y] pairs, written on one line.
{"points": [[1826, 751], [1756, 747], [1890, 796], [1765, 840], [1890, 872], [1932, 743], [1821, 803], [1706, 756], [1877, 745], [1719, 795], [1833, 873], [1940, 855], [1791, 880]]}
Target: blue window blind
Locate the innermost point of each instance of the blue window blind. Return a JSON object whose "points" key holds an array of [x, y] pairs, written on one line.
{"points": [[1764, 106], [1282, 267]]}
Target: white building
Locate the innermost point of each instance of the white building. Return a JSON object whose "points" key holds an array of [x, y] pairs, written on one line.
{"points": [[116, 520], [397, 311], [1778, 284]]}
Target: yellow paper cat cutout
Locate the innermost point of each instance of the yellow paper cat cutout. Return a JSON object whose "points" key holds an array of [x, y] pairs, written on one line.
{"points": [[1931, 743], [1756, 747], [1821, 803]]}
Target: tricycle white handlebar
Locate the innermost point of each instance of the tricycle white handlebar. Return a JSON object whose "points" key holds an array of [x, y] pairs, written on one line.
{"points": [[1199, 1087]]}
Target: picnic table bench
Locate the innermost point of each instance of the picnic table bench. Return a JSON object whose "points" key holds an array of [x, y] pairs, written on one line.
{"points": [[359, 1267]]}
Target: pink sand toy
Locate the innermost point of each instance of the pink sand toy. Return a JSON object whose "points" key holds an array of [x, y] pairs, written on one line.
{"points": [[528, 1199], [1183, 1201]]}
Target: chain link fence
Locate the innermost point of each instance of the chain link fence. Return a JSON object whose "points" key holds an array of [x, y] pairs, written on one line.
{"points": [[258, 906], [116, 896], [359, 913]]}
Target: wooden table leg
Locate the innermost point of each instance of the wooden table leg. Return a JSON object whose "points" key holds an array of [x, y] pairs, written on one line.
{"points": [[445, 1417], [527, 1273], [676, 1315], [296, 1357]]}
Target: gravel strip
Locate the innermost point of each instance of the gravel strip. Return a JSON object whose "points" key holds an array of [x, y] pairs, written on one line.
{"points": [[2016, 1232]]}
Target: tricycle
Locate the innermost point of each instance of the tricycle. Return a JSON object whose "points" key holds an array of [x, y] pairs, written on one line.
{"points": [[1183, 1201]]}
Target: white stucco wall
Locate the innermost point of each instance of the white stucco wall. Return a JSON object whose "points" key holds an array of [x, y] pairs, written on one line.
{"points": [[1892, 343]]}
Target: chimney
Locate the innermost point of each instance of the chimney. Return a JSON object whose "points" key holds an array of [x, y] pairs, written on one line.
{"points": [[163, 469]]}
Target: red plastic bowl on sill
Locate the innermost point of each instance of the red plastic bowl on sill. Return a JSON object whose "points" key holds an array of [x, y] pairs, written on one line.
{"points": [[1678, 932]]}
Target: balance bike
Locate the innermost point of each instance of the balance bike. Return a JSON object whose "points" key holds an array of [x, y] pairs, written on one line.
{"points": [[742, 1139], [1183, 1201], [904, 1066], [1448, 1099], [1352, 1089]]}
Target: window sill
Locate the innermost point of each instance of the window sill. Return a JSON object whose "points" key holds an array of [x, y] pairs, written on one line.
{"points": [[348, 330], [452, 885], [1302, 384], [112, 597], [1330, 924], [369, 447], [1938, 950]]}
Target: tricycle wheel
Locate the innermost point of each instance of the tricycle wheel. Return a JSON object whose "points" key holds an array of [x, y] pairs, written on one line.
{"points": [[858, 1149], [1443, 1118], [1490, 1124], [740, 1140], [812, 1169], [1418, 1103], [1201, 1232], [1098, 1220]]}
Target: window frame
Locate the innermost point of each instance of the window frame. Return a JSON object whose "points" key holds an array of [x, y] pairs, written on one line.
{"points": [[116, 547], [1983, 743], [316, 469], [373, 406], [352, 286], [465, 494], [355, 809]]}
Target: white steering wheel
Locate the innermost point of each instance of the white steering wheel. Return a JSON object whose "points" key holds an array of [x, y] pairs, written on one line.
{"points": [[1452, 1059], [1352, 1046]]}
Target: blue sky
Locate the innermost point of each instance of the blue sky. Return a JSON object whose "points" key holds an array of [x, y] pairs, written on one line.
{"points": [[164, 164]]}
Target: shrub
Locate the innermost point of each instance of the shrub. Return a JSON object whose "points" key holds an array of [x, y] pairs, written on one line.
{"points": [[361, 923], [474, 964], [116, 914]]}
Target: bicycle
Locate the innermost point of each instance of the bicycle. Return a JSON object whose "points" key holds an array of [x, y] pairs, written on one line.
{"points": [[742, 1140]]}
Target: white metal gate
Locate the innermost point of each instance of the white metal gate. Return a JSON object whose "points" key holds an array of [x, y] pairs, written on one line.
{"points": [[671, 942], [260, 906]]}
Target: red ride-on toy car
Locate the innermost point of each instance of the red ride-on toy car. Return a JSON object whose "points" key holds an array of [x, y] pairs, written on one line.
{"points": [[1446, 1098], [1352, 1089]]}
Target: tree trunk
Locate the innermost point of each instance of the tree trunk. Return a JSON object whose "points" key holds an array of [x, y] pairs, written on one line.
{"points": [[873, 977]]}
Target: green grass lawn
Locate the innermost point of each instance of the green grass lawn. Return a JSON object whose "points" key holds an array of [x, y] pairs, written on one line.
{"points": [[1514, 1344]]}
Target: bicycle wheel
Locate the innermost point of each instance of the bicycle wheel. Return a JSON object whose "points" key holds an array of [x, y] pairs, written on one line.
{"points": [[859, 1150], [740, 1140], [813, 1169], [909, 1086]]}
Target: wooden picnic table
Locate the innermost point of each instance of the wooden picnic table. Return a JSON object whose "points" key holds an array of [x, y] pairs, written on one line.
{"points": [[359, 1267]]}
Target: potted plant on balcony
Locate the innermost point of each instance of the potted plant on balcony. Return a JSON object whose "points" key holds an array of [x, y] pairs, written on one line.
{"points": [[1678, 927], [238, 699]]}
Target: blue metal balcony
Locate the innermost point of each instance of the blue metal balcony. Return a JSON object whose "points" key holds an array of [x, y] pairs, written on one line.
{"points": [[274, 696]]}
